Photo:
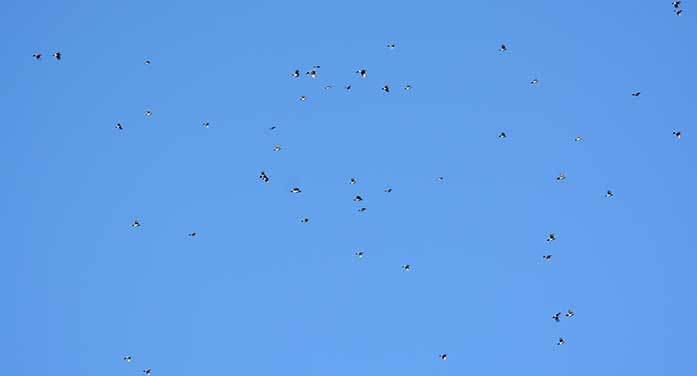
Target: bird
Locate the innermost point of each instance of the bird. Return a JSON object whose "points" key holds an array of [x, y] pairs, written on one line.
{"points": [[391, 46], [555, 317], [535, 81], [277, 148], [296, 73], [361, 210], [360, 254], [358, 199], [561, 176], [264, 177], [206, 124], [272, 128], [638, 93], [569, 313], [305, 220], [148, 113], [551, 237], [407, 88], [147, 372], [440, 178], [119, 126], [388, 190], [315, 67], [353, 181], [295, 190], [136, 223], [609, 194], [303, 98], [36, 56], [147, 62], [503, 48], [578, 138], [547, 257], [386, 89], [561, 341], [193, 235], [312, 73], [676, 4], [406, 267], [348, 88], [58, 55], [677, 134], [127, 358], [327, 87], [678, 12], [502, 135], [443, 356], [362, 72]]}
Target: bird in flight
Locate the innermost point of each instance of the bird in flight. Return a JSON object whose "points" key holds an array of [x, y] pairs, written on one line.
{"points": [[406, 267], [348, 88], [272, 128], [360, 254], [502, 135], [676, 4], [206, 124], [327, 87], [678, 12], [440, 178], [312, 73], [147, 62], [561, 341], [677, 134], [193, 235], [555, 317], [353, 181], [127, 358], [443, 356], [609, 194], [119, 126], [362, 72], [569, 313], [264, 177], [407, 88], [303, 98], [136, 223], [37, 56], [388, 190], [277, 148], [295, 190], [148, 113], [578, 138], [358, 199], [305, 220], [391, 46], [551, 237], [147, 372], [58, 55], [535, 81], [561, 176], [361, 210], [296, 73], [386, 89], [638, 93], [503, 48], [547, 257]]}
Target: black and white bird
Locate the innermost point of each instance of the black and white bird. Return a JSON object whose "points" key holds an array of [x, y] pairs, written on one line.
{"points": [[272, 128], [362, 72], [312, 73], [676, 4], [440, 179], [147, 372], [443, 356], [503, 48], [305, 220], [327, 87], [561, 176], [37, 56], [146, 62], [148, 113], [547, 257], [58, 55], [386, 89], [348, 88], [136, 223], [555, 317], [638, 93], [535, 81], [127, 358], [303, 98], [678, 12], [391, 46], [193, 235], [609, 194], [360, 254], [277, 148], [561, 341], [361, 210], [388, 190], [264, 177], [353, 181], [406, 267], [407, 88], [315, 67], [358, 199], [569, 313], [551, 237], [119, 126], [578, 138], [295, 190], [677, 134], [206, 124], [296, 73], [502, 135]]}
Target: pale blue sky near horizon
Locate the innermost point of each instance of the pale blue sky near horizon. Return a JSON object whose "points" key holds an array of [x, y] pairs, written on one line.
{"points": [[257, 292]]}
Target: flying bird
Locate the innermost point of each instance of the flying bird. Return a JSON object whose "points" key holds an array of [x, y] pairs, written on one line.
{"points": [[578, 138], [443, 356], [547, 257], [406, 267], [353, 181], [609, 194], [360, 254], [277, 148], [147, 62], [638, 93], [303, 98], [561, 341], [502, 135], [362, 72], [119, 126], [677, 134], [305, 220], [57, 55], [327, 87], [361, 210], [148, 113], [127, 358], [386, 89], [676, 4], [136, 223], [206, 124], [296, 73], [272, 128], [555, 317], [678, 12], [407, 88], [315, 67], [147, 372], [358, 199], [569, 313], [193, 235], [391, 46], [551, 237], [348, 88], [295, 190], [263, 177], [312, 73], [440, 178], [37, 56], [535, 81], [503, 48], [561, 176], [388, 190]]}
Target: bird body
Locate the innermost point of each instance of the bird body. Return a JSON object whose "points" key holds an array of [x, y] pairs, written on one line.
{"points": [[551, 237], [503, 48], [58, 55], [386, 89], [136, 223]]}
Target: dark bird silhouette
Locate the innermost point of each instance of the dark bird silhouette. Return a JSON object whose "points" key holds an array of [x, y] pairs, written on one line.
{"points": [[609, 194], [569, 313], [407, 88], [58, 55], [358, 199], [136, 223], [272, 128], [206, 124], [327, 87], [391, 46], [303, 98], [348, 88], [295, 190], [440, 178], [561, 176], [296, 73], [502, 135], [362, 72], [277, 148], [386, 89], [578, 138], [353, 181], [406, 267], [193, 235], [119, 126], [555, 317], [443, 356], [264, 177], [360, 254], [148, 113], [547, 257], [37, 56], [388, 190], [678, 12], [638, 93], [561, 341], [676, 4], [551, 237], [677, 134], [305, 220], [147, 372], [535, 81], [127, 358], [361, 210], [147, 62], [312, 73], [503, 48]]}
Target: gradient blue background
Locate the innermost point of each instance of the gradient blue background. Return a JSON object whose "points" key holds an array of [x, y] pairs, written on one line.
{"points": [[259, 293]]}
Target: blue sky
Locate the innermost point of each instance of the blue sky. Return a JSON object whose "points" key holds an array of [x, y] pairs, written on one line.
{"points": [[259, 293]]}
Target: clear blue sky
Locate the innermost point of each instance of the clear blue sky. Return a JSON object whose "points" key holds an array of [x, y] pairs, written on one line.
{"points": [[259, 293]]}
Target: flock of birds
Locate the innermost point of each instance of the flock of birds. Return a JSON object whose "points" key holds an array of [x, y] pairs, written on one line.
{"points": [[362, 72]]}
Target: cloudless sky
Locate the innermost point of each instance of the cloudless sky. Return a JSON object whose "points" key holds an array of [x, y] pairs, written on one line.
{"points": [[257, 292]]}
